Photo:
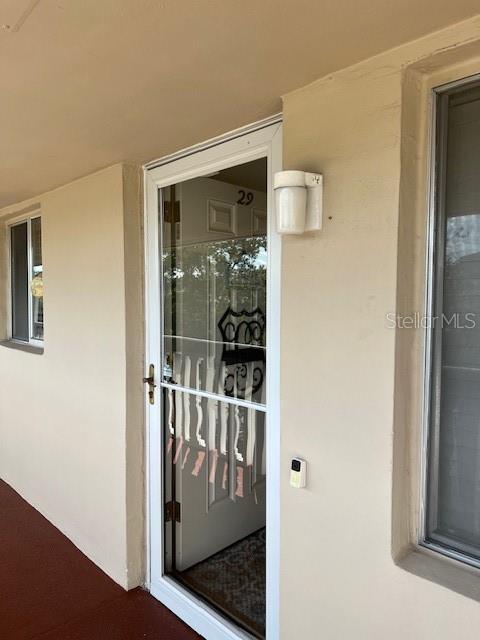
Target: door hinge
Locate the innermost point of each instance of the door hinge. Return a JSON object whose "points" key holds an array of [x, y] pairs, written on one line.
{"points": [[171, 214], [172, 511]]}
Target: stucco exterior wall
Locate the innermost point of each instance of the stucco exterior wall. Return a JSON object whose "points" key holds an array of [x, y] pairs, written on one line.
{"points": [[63, 414], [343, 572]]}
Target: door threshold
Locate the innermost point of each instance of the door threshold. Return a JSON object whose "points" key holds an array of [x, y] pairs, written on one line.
{"points": [[203, 580], [195, 612], [177, 576]]}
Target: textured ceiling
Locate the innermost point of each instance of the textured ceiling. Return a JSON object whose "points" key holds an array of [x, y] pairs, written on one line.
{"points": [[87, 83]]}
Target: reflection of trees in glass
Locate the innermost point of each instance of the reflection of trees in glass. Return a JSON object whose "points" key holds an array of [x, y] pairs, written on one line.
{"points": [[462, 237], [207, 278]]}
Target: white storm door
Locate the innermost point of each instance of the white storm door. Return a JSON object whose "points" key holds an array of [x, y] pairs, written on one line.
{"points": [[186, 384]]}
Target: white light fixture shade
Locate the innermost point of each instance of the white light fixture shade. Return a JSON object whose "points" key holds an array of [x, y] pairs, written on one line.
{"points": [[298, 201]]}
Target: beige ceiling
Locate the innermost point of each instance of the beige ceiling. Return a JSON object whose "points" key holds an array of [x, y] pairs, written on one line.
{"points": [[87, 83]]}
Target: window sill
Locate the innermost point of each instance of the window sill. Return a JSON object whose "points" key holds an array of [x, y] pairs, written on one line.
{"points": [[447, 572], [27, 348]]}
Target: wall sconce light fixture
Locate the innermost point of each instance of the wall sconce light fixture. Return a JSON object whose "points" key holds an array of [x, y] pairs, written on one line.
{"points": [[298, 201]]}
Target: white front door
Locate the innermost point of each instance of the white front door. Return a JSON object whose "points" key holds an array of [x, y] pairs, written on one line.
{"points": [[213, 427]]}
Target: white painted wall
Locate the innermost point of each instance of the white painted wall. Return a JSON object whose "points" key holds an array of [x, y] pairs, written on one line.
{"points": [[63, 414]]}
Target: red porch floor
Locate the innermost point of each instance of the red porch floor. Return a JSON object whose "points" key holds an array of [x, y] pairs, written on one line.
{"points": [[50, 591]]}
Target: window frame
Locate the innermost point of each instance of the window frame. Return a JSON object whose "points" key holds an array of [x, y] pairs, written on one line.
{"points": [[14, 222], [434, 304]]}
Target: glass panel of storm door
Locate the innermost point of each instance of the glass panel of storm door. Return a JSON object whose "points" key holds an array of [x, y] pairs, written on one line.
{"points": [[214, 276], [214, 299], [217, 451]]}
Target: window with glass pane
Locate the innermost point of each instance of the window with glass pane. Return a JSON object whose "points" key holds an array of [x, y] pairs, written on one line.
{"points": [[453, 513], [27, 280], [19, 264], [36, 286]]}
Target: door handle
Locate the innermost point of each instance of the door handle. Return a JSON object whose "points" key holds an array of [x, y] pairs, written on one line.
{"points": [[151, 383]]}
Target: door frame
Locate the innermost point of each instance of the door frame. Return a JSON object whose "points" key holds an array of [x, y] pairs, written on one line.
{"points": [[262, 139]]}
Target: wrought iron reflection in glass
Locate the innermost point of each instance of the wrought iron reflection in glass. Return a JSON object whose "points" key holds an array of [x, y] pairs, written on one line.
{"points": [[243, 338]]}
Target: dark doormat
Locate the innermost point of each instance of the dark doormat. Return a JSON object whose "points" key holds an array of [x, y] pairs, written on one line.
{"points": [[234, 581]]}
